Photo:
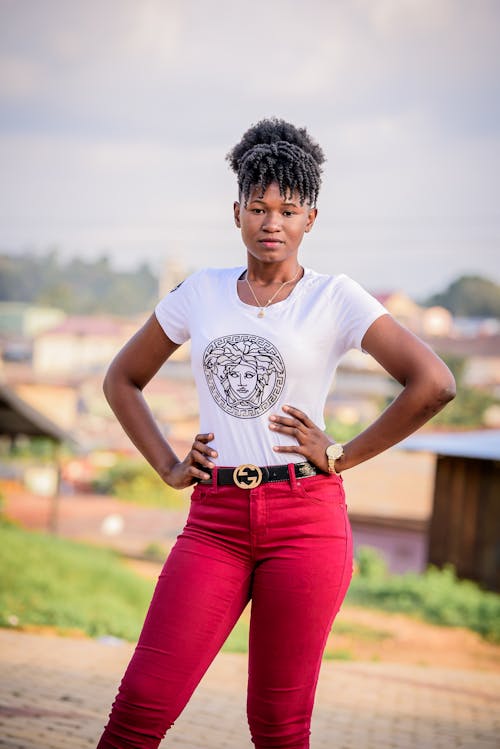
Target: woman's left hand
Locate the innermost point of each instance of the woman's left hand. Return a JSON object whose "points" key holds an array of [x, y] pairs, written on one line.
{"points": [[312, 441]]}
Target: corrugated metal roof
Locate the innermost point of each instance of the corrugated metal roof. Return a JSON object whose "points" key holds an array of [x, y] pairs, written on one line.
{"points": [[483, 444]]}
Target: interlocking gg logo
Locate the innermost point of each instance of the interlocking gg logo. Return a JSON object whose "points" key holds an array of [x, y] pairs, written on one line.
{"points": [[247, 476]]}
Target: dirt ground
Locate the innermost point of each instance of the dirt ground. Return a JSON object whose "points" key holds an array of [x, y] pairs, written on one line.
{"points": [[410, 641]]}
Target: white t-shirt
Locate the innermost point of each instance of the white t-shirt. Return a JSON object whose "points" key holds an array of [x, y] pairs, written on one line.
{"points": [[246, 368]]}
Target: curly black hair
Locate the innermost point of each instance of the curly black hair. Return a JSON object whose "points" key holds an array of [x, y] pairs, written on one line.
{"points": [[276, 151]]}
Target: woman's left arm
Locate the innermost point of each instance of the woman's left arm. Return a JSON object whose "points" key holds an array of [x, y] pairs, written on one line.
{"points": [[428, 385]]}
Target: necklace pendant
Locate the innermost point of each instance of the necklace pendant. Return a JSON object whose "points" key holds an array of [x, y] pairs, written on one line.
{"points": [[260, 313]]}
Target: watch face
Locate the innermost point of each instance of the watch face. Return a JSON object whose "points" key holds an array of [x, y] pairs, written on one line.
{"points": [[334, 451]]}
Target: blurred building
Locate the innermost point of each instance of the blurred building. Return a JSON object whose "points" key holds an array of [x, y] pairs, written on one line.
{"points": [[18, 319], [432, 499], [424, 321], [464, 525], [481, 354], [80, 344], [436, 321]]}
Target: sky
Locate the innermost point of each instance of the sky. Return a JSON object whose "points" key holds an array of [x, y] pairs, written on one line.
{"points": [[116, 116]]}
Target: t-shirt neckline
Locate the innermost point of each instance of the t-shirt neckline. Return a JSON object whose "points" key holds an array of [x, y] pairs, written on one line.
{"points": [[293, 295]]}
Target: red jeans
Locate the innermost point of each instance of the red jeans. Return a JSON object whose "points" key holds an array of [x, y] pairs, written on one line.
{"points": [[287, 547]]}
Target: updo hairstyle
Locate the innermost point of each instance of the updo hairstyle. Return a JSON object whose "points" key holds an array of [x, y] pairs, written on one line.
{"points": [[276, 151]]}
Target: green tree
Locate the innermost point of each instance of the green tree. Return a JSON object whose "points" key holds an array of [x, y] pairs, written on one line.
{"points": [[469, 296], [77, 286]]}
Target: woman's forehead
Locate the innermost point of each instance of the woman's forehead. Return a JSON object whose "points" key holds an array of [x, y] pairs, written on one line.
{"points": [[272, 195]]}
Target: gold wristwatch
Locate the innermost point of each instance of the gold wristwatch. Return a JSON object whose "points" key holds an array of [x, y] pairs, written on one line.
{"points": [[333, 453]]}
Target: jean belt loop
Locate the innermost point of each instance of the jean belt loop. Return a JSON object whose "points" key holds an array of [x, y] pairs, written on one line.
{"points": [[214, 477], [292, 476]]}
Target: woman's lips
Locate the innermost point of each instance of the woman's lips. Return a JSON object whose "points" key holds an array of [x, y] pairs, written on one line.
{"points": [[270, 242]]}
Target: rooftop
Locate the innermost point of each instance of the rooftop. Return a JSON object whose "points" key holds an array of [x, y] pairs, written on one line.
{"points": [[88, 325], [19, 417], [483, 444]]}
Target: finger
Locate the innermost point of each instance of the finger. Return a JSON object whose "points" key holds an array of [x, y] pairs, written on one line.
{"points": [[289, 449], [207, 437], [197, 457], [203, 448], [298, 414], [286, 421], [292, 431], [197, 473]]}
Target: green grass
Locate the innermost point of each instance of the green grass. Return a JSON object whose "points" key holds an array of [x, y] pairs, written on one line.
{"points": [[72, 587], [361, 631], [237, 642], [50, 582], [338, 654]]}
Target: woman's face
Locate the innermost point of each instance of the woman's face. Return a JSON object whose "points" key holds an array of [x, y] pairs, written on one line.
{"points": [[272, 227], [242, 380]]}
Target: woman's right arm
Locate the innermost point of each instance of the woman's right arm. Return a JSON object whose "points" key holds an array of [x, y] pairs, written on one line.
{"points": [[129, 372]]}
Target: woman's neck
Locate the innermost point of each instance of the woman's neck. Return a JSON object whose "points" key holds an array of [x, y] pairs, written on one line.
{"points": [[267, 274]]}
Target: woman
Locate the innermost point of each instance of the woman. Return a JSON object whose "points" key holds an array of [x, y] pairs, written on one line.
{"points": [[268, 518]]}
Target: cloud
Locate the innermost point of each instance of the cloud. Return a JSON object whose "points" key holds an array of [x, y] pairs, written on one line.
{"points": [[116, 116], [155, 69]]}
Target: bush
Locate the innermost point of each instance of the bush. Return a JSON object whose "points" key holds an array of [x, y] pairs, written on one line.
{"points": [[370, 564], [437, 596], [155, 552]]}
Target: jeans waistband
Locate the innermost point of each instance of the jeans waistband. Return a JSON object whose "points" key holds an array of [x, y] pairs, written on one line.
{"points": [[249, 476]]}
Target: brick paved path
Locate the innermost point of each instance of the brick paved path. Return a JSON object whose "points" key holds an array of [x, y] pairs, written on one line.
{"points": [[55, 694]]}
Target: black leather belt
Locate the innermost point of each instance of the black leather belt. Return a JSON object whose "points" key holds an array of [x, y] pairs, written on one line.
{"points": [[248, 476]]}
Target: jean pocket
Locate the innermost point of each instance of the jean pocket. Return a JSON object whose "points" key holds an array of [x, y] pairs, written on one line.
{"points": [[322, 489], [199, 493]]}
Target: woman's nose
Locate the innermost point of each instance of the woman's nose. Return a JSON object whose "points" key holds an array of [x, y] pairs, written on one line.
{"points": [[271, 222]]}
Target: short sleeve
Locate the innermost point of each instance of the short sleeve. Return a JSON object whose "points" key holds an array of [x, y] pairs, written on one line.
{"points": [[172, 312], [356, 310]]}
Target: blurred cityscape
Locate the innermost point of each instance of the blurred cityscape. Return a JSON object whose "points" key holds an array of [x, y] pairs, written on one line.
{"points": [[51, 373]]}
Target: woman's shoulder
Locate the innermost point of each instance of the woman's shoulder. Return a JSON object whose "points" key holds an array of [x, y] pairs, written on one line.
{"points": [[202, 278], [339, 289], [212, 274], [327, 281]]}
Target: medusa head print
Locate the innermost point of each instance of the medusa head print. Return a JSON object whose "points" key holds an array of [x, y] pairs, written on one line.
{"points": [[245, 374]]}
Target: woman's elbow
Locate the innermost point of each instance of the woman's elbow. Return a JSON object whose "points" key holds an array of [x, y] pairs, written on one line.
{"points": [[444, 389], [110, 381], [107, 385], [448, 390], [118, 382]]}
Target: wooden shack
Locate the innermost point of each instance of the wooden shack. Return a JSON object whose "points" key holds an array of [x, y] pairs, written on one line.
{"points": [[464, 528]]}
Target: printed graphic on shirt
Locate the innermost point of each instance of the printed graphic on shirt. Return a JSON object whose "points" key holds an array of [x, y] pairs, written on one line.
{"points": [[245, 374]]}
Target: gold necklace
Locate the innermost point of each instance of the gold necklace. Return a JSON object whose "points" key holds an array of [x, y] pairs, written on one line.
{"points": [[263, 307]]}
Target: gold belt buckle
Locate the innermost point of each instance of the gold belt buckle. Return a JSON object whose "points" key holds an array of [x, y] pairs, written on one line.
{"points": [[247, 476]]}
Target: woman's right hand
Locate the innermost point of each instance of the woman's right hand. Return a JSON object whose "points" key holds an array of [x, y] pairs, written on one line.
{"points": [[190, 470]]}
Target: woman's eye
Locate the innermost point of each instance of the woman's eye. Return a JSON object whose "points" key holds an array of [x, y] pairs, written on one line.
{"points": [[288, 213], [257, 210]]}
